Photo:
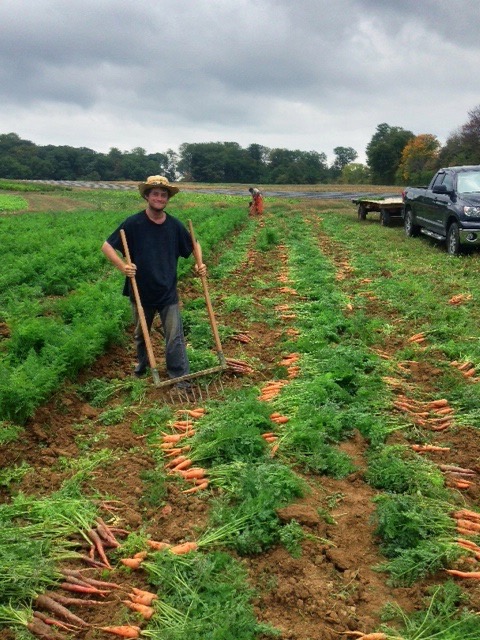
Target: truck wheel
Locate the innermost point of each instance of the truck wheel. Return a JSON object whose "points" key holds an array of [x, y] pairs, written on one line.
{"points": [[362, 212], [411, 229], [453, 240], [385, 218]]}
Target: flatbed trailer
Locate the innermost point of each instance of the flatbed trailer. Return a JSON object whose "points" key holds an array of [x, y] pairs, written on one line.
{"points": [[388, 208]]}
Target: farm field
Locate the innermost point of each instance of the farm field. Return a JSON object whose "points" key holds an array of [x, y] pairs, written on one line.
{"points": [[328, 487]]}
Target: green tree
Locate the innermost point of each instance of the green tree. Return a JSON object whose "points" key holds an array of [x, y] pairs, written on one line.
{"points": [[355, 173], [384, 152], [343, 156]]}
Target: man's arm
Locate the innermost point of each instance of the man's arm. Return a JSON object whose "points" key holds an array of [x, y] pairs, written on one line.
{"points": [[111, 254]]}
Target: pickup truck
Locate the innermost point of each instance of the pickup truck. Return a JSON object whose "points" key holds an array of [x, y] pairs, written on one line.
{"points": [[447, 210]]}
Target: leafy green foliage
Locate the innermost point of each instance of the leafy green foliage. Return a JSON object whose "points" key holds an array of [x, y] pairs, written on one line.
{"points": [[403, 521], [203, 596], [397, 469], [445, 617]]}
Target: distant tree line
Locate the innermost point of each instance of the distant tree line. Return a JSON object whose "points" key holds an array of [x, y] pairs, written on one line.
{"points": [[195, 162], [394, 156]]}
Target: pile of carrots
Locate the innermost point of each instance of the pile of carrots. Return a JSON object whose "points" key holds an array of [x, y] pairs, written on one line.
{"points": [[271, 390], [417, 338], [289, 362], [467, 369], [435, 415], [180, 463], [459, 475]]}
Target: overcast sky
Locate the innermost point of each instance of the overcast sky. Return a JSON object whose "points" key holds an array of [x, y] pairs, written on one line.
{"points": [[296, 74]]}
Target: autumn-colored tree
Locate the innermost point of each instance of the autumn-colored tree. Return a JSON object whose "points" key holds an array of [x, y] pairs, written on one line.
{"points": [[419, 159]]}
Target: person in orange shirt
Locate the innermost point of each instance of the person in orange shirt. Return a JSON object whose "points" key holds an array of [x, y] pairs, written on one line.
{"points": [[256, 205]]}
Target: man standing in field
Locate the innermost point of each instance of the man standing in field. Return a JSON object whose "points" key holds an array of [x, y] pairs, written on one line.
{"points": [[155, 241]]}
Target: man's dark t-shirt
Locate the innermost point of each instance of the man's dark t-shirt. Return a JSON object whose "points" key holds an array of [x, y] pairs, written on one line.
{"points": [[154, 249]]}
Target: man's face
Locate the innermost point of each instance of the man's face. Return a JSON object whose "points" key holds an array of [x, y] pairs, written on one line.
{"points": [[157, 199]]}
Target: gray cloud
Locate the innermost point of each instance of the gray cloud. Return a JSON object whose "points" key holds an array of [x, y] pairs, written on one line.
{"points": [[311, 75]]}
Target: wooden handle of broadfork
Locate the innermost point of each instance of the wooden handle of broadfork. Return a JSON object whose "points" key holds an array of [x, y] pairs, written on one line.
{"points": [[141, 313], [211, 315]]}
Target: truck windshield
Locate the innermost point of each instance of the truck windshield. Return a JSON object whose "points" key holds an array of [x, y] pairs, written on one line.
{"points": [[468, 182]]}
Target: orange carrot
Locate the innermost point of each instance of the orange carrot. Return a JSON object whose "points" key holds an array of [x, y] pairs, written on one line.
{"points": [[274, 450], [468, 524], [195, 472], [172, 437], [199, 487], [428, 447], [281, 420], [175, 461], [464, 365], [275, 414], [176, 451], [158, 546], [268, 434], [132, 563], [271, 439], [181, 466], [468, 514], [438, 403], [475, 575], [144, 610], [124, 631], [145, 600], [143, 593], [444, 411], [468, 543], [183, 548], [469, 373]]}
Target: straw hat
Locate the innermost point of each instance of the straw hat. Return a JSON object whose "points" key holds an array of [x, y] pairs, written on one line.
{"points": [[157, 181]]}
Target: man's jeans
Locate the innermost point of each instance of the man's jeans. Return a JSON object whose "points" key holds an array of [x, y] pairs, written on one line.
{"points": [[175, 352]]}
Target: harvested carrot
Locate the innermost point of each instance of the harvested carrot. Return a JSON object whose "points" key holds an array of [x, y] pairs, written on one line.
{"points": [[49, 604], [274, 450], [183, 548], [144, 610], [143, 600], [438, 403], [281, 419], [182, 466], [80, 588], [157, 545], [53, 622], [428, 447], [275, 414], [365, 636], [143, 593], [80, 602], [467, 514], [271, 439], [95, 538], [475, 575], [198, 487], [89, 580], [196, 472], [469, 373], [268, 434], [463, 484], [175, 461], [468, 524], [172, 437], [40, 629], [124, 631], [176, 451], [132, 563]]}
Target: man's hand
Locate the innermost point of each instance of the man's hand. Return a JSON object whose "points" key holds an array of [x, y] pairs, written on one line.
{"points": [[201, 270], [129, 269]]}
